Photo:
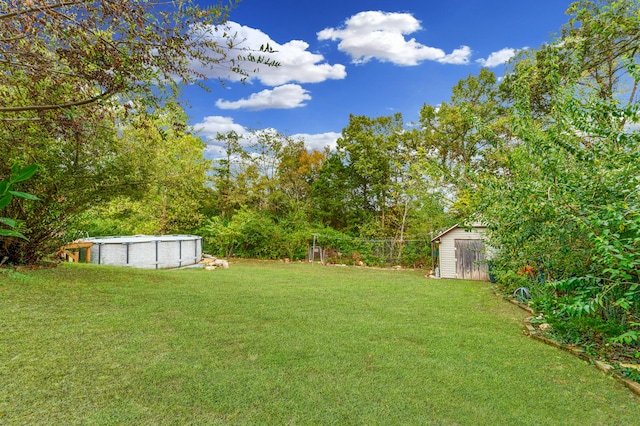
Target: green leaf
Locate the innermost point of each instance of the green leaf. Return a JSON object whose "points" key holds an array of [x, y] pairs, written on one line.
{"points": [[24, 173], [4, 201], [9, 222], [24, 195], [4, 186], [11, 233], [628, 337]]}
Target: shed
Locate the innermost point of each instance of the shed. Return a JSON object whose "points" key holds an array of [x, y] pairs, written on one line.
{"points": [[462, 253]]}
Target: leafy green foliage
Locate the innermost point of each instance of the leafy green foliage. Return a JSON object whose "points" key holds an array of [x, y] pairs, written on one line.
{"points": [[134, 49], [171, 164], [371, 188], [628, 337], [273, 173], [252, 234], [369, 161], [7, 193], [459, 137], [562, 197], [374, 185]]}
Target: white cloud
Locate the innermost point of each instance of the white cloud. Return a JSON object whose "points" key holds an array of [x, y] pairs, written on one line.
{"points": [[282, 97], [319, 141], [381, 35], [458, 56], [297, 64], [500, 57], [212, 126]]}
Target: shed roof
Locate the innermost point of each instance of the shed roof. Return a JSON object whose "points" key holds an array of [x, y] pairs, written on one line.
{"points": [[456, 226]]}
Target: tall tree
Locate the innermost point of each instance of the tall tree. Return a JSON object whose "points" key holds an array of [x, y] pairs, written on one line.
{"points": [[360, 183], [80, 165], [460, 136], [270, 172], [171, 198], [226, 172], [591, 55], [297, 170], [602, 36]]}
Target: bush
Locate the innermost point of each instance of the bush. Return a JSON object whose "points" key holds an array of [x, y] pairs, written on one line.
{"points": [[251, 234]]}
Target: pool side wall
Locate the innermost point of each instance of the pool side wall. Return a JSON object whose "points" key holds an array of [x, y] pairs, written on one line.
{"points": [[148, 252]]}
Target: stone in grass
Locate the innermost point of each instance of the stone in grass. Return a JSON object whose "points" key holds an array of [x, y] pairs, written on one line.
{"points": [[633, 366], [222, 263], [213, 262], [603, 366]]}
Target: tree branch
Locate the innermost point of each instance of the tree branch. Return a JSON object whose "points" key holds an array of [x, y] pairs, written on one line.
{"points": [[41, 9], [39, 67], [12, 39], [58, 106]]}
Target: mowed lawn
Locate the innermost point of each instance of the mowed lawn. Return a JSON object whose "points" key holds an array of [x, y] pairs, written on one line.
{"points": [[266, 343]]}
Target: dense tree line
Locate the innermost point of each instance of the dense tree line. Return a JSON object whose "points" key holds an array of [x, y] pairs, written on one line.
{"points": [[272, 194]]}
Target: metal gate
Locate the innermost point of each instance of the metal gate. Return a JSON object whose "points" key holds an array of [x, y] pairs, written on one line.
{"points": [[470, 260]]}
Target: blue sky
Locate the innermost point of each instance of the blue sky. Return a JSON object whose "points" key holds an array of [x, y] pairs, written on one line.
{"points": [[372, 58]]}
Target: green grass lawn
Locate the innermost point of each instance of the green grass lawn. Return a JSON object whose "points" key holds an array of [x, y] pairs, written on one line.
{"points": [[271, 344]]}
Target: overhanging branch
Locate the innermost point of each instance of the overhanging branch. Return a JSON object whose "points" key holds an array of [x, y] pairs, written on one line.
{"points": [[57, 106], [41, 9]]}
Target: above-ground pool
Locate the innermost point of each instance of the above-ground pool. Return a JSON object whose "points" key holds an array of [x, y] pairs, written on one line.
{"points": [[147, 251]]}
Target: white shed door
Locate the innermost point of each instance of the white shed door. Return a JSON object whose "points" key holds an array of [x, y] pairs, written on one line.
{"points": [[470, 258]]}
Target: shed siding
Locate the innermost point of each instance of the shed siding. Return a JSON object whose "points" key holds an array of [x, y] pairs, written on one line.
{"points": [[448, 249]]}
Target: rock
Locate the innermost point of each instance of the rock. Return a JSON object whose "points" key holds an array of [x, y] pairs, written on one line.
{"points": [[633, 366], [221, 263]]}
